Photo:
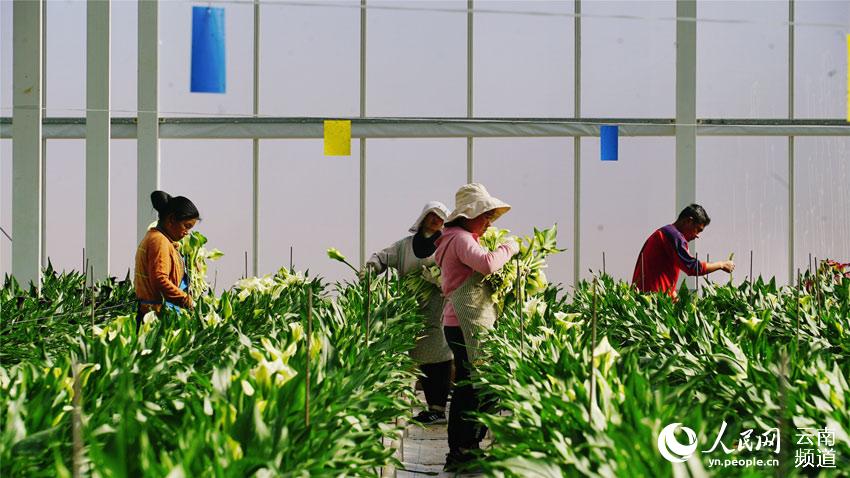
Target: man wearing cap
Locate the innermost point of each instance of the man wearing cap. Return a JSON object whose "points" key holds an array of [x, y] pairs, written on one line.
{"points": [[431, 352], [469, 309], [665, 253]]}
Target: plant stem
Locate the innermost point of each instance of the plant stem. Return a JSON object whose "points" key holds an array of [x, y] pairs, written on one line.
{"points": [[592, 349], [307, 369]]}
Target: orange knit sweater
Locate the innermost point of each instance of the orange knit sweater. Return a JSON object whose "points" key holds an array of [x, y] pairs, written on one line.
{"points": [[159, 270]]}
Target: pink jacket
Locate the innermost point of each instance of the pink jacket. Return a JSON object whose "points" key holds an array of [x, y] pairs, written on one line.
{"points": [[459, 255]]}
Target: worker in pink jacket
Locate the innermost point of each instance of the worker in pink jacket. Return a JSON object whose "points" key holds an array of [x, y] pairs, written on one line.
{"points": [[469, 308], [433, 355]]}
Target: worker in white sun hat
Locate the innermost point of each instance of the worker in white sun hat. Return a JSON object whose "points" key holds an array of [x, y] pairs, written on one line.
{"points": [[469, 307], [431, 352]]}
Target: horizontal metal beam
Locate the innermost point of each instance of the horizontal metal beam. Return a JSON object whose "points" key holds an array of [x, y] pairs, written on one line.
{"points": [[300, 128], [772, 127]]}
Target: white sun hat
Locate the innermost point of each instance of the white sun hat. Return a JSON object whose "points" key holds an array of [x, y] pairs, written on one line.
{"points": [[473, 200], [436, 207]]}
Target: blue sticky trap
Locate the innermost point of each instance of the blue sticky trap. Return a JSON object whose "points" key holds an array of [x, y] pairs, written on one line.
{"points": [[208, 66], [608, 140]]}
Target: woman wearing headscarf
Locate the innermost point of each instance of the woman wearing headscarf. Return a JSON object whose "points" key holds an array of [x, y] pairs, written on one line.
{"points": [[469, 308], [431, 352], [161, 276]]}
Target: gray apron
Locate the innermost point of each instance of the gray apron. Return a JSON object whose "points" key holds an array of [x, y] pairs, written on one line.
{"points": [[475, 312], [431, 347]]}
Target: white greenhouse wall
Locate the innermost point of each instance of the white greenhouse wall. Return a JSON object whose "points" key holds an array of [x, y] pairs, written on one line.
{"points": [[416, 65], [416, 61], [823, 199], [399, 183], [308, 202], [507, 80], [302, 73], [623, 202], [743, 184], [216, 176]]}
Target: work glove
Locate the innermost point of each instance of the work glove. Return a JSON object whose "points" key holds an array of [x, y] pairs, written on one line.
{"points": [[512, 243]]}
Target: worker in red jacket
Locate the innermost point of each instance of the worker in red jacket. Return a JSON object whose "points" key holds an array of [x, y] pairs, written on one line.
{"points": [[665, 253]]}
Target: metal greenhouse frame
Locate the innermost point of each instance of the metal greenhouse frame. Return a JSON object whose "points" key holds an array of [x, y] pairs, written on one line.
{"points": [[29, 128]]}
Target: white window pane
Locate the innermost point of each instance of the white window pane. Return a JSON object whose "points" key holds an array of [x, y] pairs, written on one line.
{"points": [[534, 176], [628, 66], [752, 82], [216, 176], [66, 203], [523, 64], [404, 174], [66, 58], [122, 207], [310, 60], [623, 202], [416, 60], [822, 214], [820, 63], [124, 58], [6, 205], [310, 202], [6, 59], [175, 61], [743, 185]]}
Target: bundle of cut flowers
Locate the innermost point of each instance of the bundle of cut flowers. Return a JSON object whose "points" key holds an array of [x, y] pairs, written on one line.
{"points": [[530, 263]]}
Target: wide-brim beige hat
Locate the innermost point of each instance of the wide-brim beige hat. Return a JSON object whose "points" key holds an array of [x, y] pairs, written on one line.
{"points": [[473, 200], [436, 207]]}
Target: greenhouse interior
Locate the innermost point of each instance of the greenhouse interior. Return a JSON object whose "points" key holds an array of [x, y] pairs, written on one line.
{"points": [[407, 238]]}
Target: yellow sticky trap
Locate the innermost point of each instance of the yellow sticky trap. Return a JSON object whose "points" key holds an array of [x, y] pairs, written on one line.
{"points": [[848, 78], [337, 137]]}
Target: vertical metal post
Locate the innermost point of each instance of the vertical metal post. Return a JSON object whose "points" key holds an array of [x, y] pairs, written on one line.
{"points": [[98, 134], [26, 144], [577, 147], [255, 235], [686, 33], [686, 53], [44, 257], [362, 202], [363, 139], [791, 162], [685, 103], [147, 142], [469, 105]]}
